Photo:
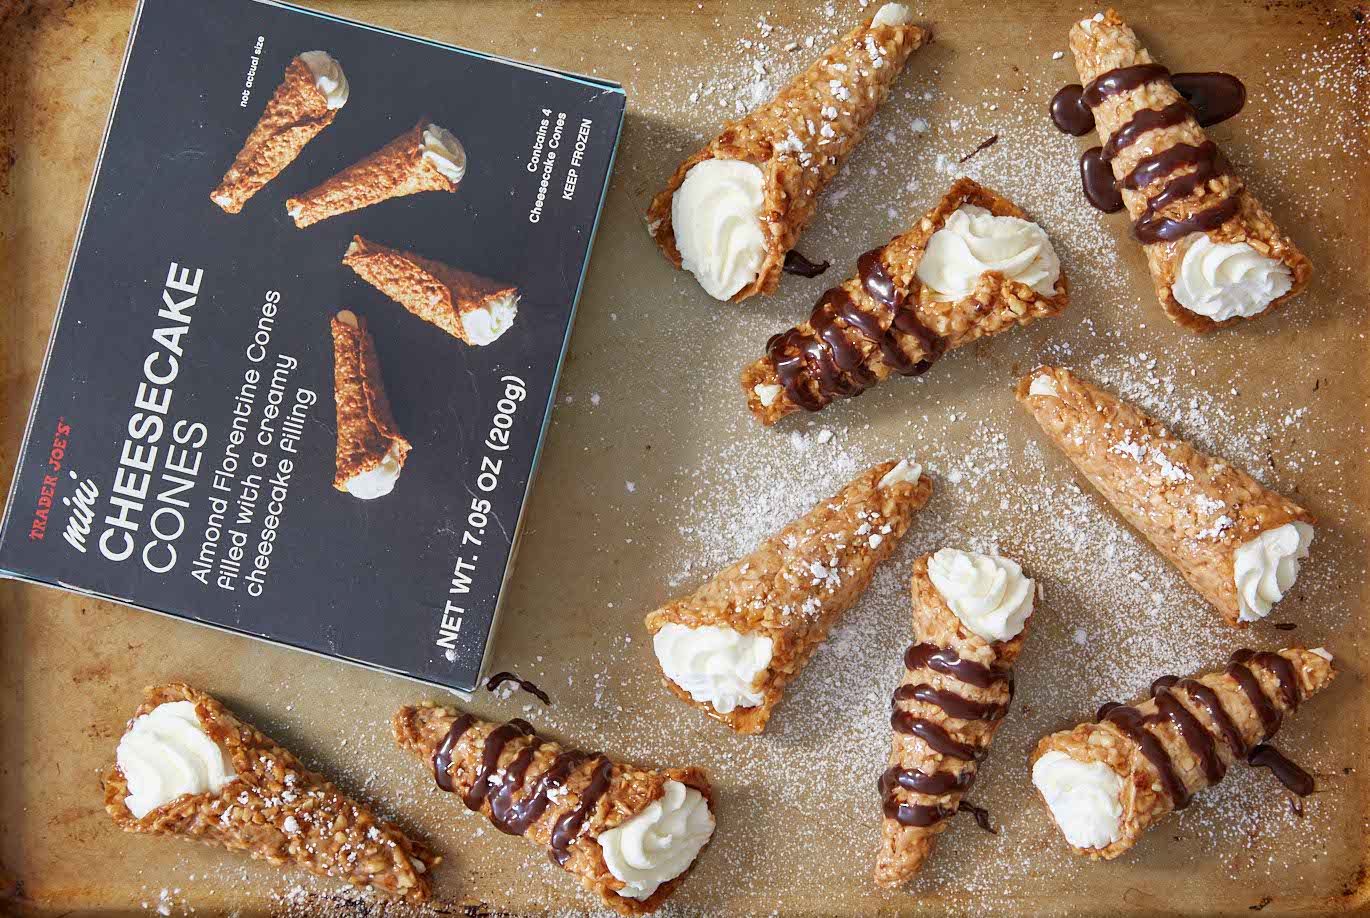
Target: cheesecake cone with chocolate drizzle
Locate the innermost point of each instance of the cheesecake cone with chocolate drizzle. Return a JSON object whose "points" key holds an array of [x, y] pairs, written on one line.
{"points": [[1134, 764], [1237, 542], [270, 807], [573, 804], [955, 692], [799, 141], [730, 648], [886, 320], [1181, 192]]}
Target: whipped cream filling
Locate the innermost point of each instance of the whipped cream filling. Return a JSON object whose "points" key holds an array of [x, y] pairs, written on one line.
{"points": [[328, 77], [716, 666], [716, 217], [484, 325], [767, 393], [1083, 798], [660, 843], [973, 241], [892, 14], [1229, 279], [905, 470], [1267, 566], [379, 480], [442, 149], [990, 595], [1044, 385], [166, 754]]}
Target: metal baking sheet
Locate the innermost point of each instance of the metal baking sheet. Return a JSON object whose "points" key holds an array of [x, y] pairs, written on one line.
{"points": [[654, 476]]}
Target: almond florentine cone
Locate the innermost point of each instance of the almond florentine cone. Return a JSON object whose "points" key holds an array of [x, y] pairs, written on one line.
{"points": [[897, 327], [923, 786], [1101, 45], [800, 139], [796, 584], [366, 428], [1251, 698], [558, 799], [277, 810], [296, 113], [1197, 510], [431, 290], [397, 169]]}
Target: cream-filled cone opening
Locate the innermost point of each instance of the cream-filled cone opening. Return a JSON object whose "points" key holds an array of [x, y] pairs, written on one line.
{"points": [[1266, 567], [492, 319], [974, 241], [1044, 385], [716, 666], [904, 470], [378, 480], [893, 14], [328, 77], [1226, 280], [166, 754], [1084, 798], [660, 843], [716, 217], [443, 150], [990, 595]]}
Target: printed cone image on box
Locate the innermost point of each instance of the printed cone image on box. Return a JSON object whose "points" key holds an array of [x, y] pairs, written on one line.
{"points": [[238, 427]]}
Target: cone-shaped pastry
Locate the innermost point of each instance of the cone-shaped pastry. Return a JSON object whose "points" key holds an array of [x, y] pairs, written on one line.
{"points": [[628, 834], [467, 306], [974, 266], [730, 648], [732, 211], [1216, 256], [371, 452], [187, 767], [304, 104], [424, 158], [1107, 782], [1238, 543], [970, 616]]}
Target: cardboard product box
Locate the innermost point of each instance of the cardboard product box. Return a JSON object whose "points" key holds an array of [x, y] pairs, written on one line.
{"points": [[200, 446]]}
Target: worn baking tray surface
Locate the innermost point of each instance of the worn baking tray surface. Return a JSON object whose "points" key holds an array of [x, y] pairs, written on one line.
{"points": [[654, 476]]}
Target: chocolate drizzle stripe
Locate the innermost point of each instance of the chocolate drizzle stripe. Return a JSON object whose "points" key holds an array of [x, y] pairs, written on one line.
{"points": [[1146, 119], [954, 704], [442, 758], [1119, 80], [1130, 722], [934, 785], [495, 743], [499, 679], [831, 361], [916, 814], [1196, 737], [946, 661], [569, 825]]}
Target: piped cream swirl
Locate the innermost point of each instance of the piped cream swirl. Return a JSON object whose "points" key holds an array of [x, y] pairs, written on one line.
{"points": [[1226, 280], [443, 150], [716, 666], [1267, 566], [328, 77], [166, 754], [716, 218], [973, 241], [990, 595], [659, 843]]}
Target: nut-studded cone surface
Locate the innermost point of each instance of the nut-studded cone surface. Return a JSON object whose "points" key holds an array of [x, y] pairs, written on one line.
{"points": [[883, 322], [1186, 737], [559, 799], [796, 584], [366, 428], [296, 113], [431, 290], [954, 695], [397, 169], [1194, 508], [277, 810], [800, 139], [1108, 44]]}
